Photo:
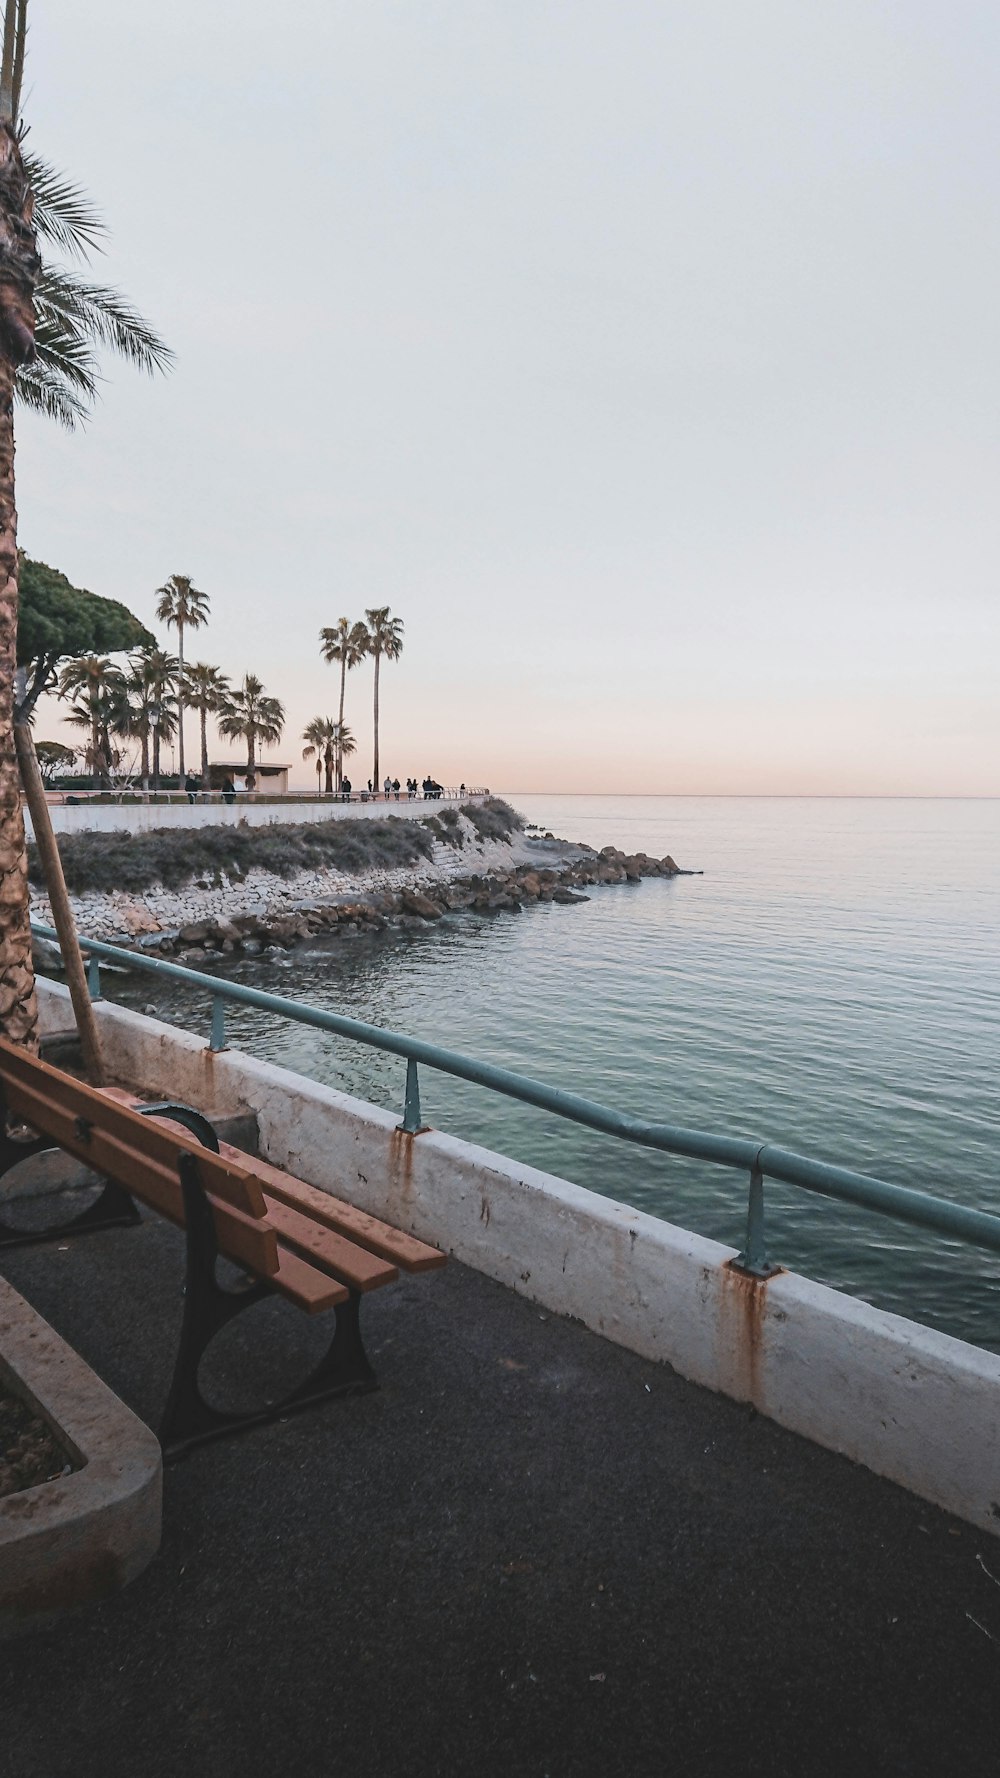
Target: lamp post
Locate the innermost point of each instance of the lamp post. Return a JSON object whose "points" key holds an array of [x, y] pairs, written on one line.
{"points": [[154, 723]]}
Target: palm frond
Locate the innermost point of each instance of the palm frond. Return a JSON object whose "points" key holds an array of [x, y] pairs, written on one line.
{"points": [[100, 313], [64, 214], [47, 391]]}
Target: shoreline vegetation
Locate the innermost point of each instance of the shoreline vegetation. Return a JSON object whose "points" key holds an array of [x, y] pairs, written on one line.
{"points": [[199, 891]]}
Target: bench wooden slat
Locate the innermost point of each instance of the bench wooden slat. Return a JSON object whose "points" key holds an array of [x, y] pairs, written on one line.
{"points": [[309, 1289], [399, 1248], [243, 1236], [342, 1259], [56, 1094], [394, 1245]]}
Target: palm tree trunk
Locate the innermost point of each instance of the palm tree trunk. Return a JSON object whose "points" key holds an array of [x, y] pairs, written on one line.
{"points": [[59, 902], [375, 781], [18, 268], [156, 757], [145, 756], [340, 720], [251, 753], [329, 760], [180, 701], [204, 746], [95, 747]]}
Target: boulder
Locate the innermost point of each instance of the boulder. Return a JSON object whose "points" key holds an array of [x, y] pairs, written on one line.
{"points": [[45, 954], [196, 933], [137, 919], [565, 896], [415, 903]]}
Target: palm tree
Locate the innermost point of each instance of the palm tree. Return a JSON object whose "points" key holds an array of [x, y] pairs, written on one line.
{"points": [[99, 688], [180, 603], [250, 714], [329, 741], [347, 643], [18, 276], [385, 637], [50, 364], [205, 690], [74, 316], [149, 707]]}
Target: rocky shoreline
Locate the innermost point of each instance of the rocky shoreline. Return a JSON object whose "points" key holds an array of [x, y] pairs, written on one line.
{"points": [[284, 914]]}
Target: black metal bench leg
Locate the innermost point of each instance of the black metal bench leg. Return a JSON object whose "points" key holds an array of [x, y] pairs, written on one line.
{"points": [[188, 1419], [113, 1209]]}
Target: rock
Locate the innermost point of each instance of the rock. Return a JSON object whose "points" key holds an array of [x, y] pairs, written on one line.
{"points": [[669, 866], [137, 919], [565, 896], [196, 933], [45, 954], [415, 903], [252, 947]]}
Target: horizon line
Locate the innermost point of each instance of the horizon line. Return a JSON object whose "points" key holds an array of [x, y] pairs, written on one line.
{"points": [[832, 796]]}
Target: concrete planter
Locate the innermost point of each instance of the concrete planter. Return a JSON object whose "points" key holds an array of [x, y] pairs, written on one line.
{"points": [[71, 1541]]}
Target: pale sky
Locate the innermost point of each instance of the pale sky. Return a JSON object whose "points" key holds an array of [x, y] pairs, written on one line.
{"points": [[642, 355]]}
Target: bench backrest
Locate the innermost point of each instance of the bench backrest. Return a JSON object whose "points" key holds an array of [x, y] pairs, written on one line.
{"points": [[141, 1155]]}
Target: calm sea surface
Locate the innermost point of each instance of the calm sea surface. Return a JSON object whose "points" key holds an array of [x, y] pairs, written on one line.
{"points": [[832, 983]]}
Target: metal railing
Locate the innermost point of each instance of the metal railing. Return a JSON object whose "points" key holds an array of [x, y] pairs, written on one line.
{"points": [[133, 795], [762, 1160]]}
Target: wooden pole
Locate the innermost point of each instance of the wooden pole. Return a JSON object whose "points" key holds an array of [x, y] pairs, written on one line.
{"points": [[62, 913]]}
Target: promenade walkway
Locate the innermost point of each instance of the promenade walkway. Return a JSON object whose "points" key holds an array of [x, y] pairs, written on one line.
{"points": [[530, 1554]]}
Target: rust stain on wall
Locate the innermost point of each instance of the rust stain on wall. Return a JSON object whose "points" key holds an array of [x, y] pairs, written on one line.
{"points": [[401, 1165], [742, 1313]]}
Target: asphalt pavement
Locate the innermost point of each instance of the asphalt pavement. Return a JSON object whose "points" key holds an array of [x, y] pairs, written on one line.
{"points": [[529, 1553]]}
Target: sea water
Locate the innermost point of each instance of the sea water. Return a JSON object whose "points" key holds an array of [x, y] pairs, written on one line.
{"points": [[831, 983]]}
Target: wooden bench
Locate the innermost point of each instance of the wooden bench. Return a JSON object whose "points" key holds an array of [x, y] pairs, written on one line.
{"points": [[288, 1237]]}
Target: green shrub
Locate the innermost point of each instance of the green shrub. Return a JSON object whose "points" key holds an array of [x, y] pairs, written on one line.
{"points": [[493, 819], [173, 857]]}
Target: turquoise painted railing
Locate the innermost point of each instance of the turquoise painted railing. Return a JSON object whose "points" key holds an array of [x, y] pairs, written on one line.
{"points": [[763, 1160]]}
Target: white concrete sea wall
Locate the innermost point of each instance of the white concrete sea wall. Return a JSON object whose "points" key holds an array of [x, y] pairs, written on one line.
{"points": [[95, 817], [913, 1405]]}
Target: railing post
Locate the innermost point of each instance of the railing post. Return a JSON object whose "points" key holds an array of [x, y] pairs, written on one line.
{"points": [[94, 976], [217, 1041], [754, 1258], [411, 1105]]}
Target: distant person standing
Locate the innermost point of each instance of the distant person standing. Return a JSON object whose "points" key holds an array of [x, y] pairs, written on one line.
{"points": [[251, 781], [228, 789], [192, 786], [395, 788], [345, 790], [387, 786]]}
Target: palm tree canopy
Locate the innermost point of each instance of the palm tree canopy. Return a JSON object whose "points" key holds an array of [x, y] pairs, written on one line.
{"points": [[91, 676], [345, 642], [205, 687], [250, 711], [75, 317], [319, 735], [324, 735], [181, 603], [385, 633]]}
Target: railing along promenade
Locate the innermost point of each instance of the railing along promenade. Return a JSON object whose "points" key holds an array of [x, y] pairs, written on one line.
{"points": [[134, 794], [761, 1160]]}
